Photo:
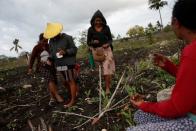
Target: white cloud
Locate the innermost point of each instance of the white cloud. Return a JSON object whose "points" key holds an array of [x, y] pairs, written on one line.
{"points": [[25, 19]]}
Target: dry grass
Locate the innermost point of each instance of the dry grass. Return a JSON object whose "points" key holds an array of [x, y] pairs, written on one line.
{"points": [[12, 63]]}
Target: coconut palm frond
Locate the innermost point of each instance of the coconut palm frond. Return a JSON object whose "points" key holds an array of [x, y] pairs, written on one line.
{"points": [[19, 47], [11, 48], [15, 42], [163, 3], [16, 46], [156, 4], [150, 2]]}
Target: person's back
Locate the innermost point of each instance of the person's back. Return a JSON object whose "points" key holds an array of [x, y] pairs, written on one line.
{"points": [[64, 42], [184, 92], [63, 52]]}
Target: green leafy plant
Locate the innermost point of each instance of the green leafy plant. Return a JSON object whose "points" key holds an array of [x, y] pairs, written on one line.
{"points": [[126, 114], [130, 90], [87, 93], [12, 125]]}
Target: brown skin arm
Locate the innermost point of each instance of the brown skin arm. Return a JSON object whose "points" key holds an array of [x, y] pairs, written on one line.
{"points": [[159, 60], [137, 100], [32, 59]]}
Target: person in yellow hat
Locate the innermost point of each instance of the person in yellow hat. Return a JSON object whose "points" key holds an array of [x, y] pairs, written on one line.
{"points": [[63, 52]]}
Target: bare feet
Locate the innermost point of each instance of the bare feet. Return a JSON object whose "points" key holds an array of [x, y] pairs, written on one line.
{"points": [[71, 103], [52, 102], [107, 91], [59, 99], [77, 90]]}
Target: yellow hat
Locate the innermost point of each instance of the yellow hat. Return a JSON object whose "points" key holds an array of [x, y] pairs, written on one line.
{"points": [[52, 30]]}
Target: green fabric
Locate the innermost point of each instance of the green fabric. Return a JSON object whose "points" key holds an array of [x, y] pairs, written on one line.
{"points": [[192, 117], [91, 60]]}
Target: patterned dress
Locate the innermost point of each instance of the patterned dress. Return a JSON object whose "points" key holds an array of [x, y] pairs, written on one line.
{"points": [[150, 122], [108, 64]]}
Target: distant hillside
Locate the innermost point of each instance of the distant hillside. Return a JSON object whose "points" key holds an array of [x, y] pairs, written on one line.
{"points": [[11, 62], [132, 43], [3, 57]]}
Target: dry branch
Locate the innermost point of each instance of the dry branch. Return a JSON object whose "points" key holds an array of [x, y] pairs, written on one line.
{"points": [[74, 114], [31, 125], [109, 102], [96, 117], [12, 107], [86, 121], [100, 89], [43, 124]]}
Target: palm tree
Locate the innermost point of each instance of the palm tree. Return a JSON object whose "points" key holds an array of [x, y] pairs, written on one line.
{"points": [[157, 5], [16, 45], [159, 26]]}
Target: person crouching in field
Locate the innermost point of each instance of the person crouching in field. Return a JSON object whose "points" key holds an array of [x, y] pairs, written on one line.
{"points": [[63, 52], [45, 68], [178, 112]]}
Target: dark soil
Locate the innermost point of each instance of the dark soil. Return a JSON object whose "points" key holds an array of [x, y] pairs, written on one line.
{"points": [[18, 105]]}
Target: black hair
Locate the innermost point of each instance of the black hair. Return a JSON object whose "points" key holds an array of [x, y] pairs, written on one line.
{"points": [[50, 59], [184, 12], [98, 14], [41, 36]]}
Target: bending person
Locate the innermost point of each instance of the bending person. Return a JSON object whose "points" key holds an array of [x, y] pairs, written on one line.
{"points": [[45, 68]]}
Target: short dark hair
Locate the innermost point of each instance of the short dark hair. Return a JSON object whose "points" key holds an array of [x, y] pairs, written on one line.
{"points": [[50, 59], [184, 12], [41, 36]]}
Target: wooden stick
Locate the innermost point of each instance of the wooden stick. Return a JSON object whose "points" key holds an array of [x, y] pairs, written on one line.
{"points": [[100, 89], [125, 84], [27, 105], [74, 114], [118, 85], [112, 108], [109, 102], [43, 124], [86, 121], [120, 101], [31, 125], [107, 106]]}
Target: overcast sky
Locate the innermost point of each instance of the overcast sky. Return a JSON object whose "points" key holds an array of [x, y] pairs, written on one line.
{"points": [[26, 19]]}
